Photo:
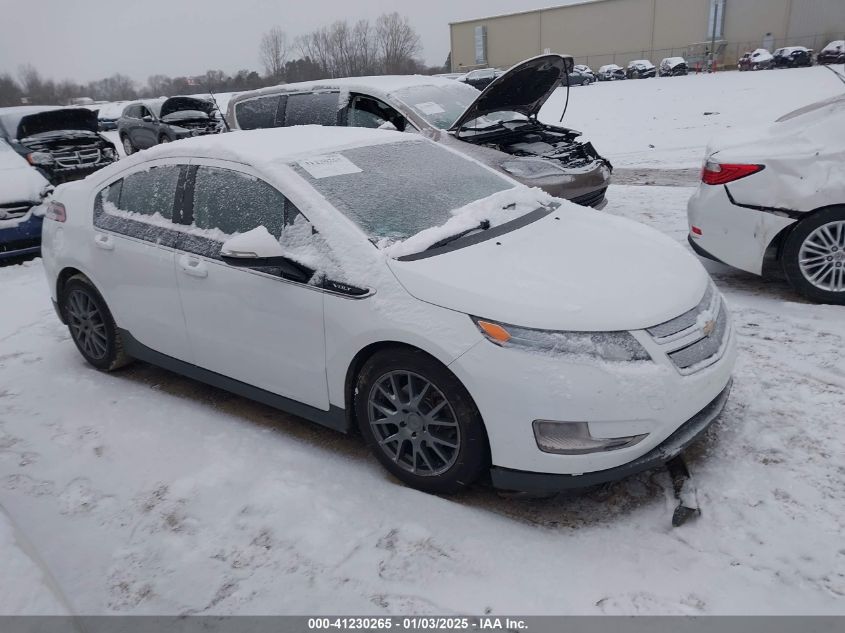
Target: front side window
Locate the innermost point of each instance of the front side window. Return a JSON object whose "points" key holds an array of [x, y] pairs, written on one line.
{"points": [[231, 202], [372, 113], [318, 108], [257, 113]]}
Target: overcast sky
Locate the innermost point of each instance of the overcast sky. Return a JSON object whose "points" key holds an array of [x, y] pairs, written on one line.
{"points": [[91, 39]]}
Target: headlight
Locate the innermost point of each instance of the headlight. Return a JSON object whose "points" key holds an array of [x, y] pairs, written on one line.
{"points": [[108, 153], [532, 168], [609, 346], [40, 158]]}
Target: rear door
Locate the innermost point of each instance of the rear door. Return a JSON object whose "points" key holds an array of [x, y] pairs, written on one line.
{"points": [[313, 108], [134, 254], [254, 326]]}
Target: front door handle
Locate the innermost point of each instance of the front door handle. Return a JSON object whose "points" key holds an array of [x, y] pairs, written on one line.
{"points": [[193, 266], [104, 241]]}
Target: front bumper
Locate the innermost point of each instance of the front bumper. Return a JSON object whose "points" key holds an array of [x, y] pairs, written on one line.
{"points": [[19, 238], [674, 445], [731, 234]]}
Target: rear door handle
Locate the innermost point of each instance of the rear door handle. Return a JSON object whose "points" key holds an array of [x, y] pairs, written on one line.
{"points": [[104, 241], [193, 266]]}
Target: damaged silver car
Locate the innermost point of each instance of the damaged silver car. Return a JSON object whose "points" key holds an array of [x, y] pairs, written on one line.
{"points": [[498, 126]]}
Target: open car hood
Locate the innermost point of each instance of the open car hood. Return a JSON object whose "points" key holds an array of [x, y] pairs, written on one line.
{"points": [[178, 104], [524, 88], [54, 120]]}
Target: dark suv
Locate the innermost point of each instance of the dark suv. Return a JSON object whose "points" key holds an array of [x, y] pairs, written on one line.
{"points": [[147, 123]]}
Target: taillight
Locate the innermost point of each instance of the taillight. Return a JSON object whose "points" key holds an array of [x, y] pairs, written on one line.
{"points": [[721, 173], [56, 211]]}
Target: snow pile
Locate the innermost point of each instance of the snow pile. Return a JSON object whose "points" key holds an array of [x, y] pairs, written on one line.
{"points": [[19, 182], [497, 209]]}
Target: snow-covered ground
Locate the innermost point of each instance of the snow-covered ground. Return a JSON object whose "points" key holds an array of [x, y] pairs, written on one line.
{"points": [[666, 122], [143, 492]]}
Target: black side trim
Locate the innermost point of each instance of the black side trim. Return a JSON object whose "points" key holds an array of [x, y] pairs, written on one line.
{"points": [[686, 434], [782, 212], [335, 418], [702, 252], [481, 236]]}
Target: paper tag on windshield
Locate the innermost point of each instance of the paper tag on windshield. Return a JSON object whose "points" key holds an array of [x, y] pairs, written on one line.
{"points": [[429, 107], [329, 165]]}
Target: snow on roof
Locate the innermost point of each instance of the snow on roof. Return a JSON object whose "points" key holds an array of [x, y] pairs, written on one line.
{"points": [[385, 84], [643, 62], [835, 45], [273, 145], [786, 50], [674, 60]]}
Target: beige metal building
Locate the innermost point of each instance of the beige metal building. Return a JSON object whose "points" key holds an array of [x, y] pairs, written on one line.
{"points": [[599, 32]]}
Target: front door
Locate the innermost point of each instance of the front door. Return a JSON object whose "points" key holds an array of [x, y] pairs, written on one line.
{"points": [[254, 326]]}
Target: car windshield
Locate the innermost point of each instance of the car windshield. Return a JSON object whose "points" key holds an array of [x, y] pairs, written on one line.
{"points": [[395, 190], [439, 105]]}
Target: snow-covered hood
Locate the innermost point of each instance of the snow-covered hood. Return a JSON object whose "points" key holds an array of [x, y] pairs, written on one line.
{"points": [[179, 104], [834, 47], [18, 181], [761, 55], [586, 271], [56, 120], [524, 88]]}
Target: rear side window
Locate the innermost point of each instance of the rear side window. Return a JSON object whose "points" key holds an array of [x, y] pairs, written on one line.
{"points": [[257, 113], [149, 192], [232, 202], [318, 108]]}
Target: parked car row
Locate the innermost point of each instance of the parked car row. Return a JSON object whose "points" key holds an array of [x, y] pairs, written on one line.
{"points": [[792, 57]]}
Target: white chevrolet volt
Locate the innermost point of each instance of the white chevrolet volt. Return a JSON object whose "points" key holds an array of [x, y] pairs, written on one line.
{"points": [[779, 192], [465, 323]]}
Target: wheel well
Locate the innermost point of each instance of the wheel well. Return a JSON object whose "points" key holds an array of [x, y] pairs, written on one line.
{"points": [[777, 244], [66, 274]]}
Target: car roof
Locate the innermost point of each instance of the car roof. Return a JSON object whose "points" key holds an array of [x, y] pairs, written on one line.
{"points": [[384, 84], [272, 145]]}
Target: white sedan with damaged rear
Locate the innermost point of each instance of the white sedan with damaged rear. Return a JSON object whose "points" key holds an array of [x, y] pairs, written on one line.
{"points": [[778, 194], [373, 280]]}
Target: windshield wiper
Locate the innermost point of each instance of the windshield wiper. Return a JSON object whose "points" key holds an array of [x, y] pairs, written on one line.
{"points": [[481, 226]]}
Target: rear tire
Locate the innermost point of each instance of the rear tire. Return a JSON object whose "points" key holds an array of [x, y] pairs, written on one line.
{"points": [[91, 325], [813, 257], [438, 443]]}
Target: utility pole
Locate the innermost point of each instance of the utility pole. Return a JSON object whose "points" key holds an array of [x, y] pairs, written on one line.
{"points": [[711, 62]]}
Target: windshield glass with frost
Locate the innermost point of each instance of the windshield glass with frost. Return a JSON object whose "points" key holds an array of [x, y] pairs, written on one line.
{"points": [[396, 190], [442, 105]]}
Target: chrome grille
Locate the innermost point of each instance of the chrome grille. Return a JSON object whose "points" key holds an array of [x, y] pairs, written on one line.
{"points": [[696, 339], [78, 158]]}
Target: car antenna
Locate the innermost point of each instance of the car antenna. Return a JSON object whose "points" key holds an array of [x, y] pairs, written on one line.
{"points": [[566, 105], [214, 100], [839, 75]]}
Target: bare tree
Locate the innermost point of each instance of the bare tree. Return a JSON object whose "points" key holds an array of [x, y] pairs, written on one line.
{"points": [[398, 43], [274, 52]]}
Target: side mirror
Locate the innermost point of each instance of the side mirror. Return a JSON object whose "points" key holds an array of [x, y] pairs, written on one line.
{"points": [[258, 249], [388, 125], [147, 119]]}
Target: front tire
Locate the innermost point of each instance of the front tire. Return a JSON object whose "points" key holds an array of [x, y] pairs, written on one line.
{"points": [[128, 147], [813, 257], [420, 421], [91, 325]]}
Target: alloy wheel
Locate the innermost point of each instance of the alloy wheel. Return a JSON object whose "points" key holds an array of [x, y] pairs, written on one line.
{"points": [[822, 257], [414, 423], [87, 325], [127, 146]]}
